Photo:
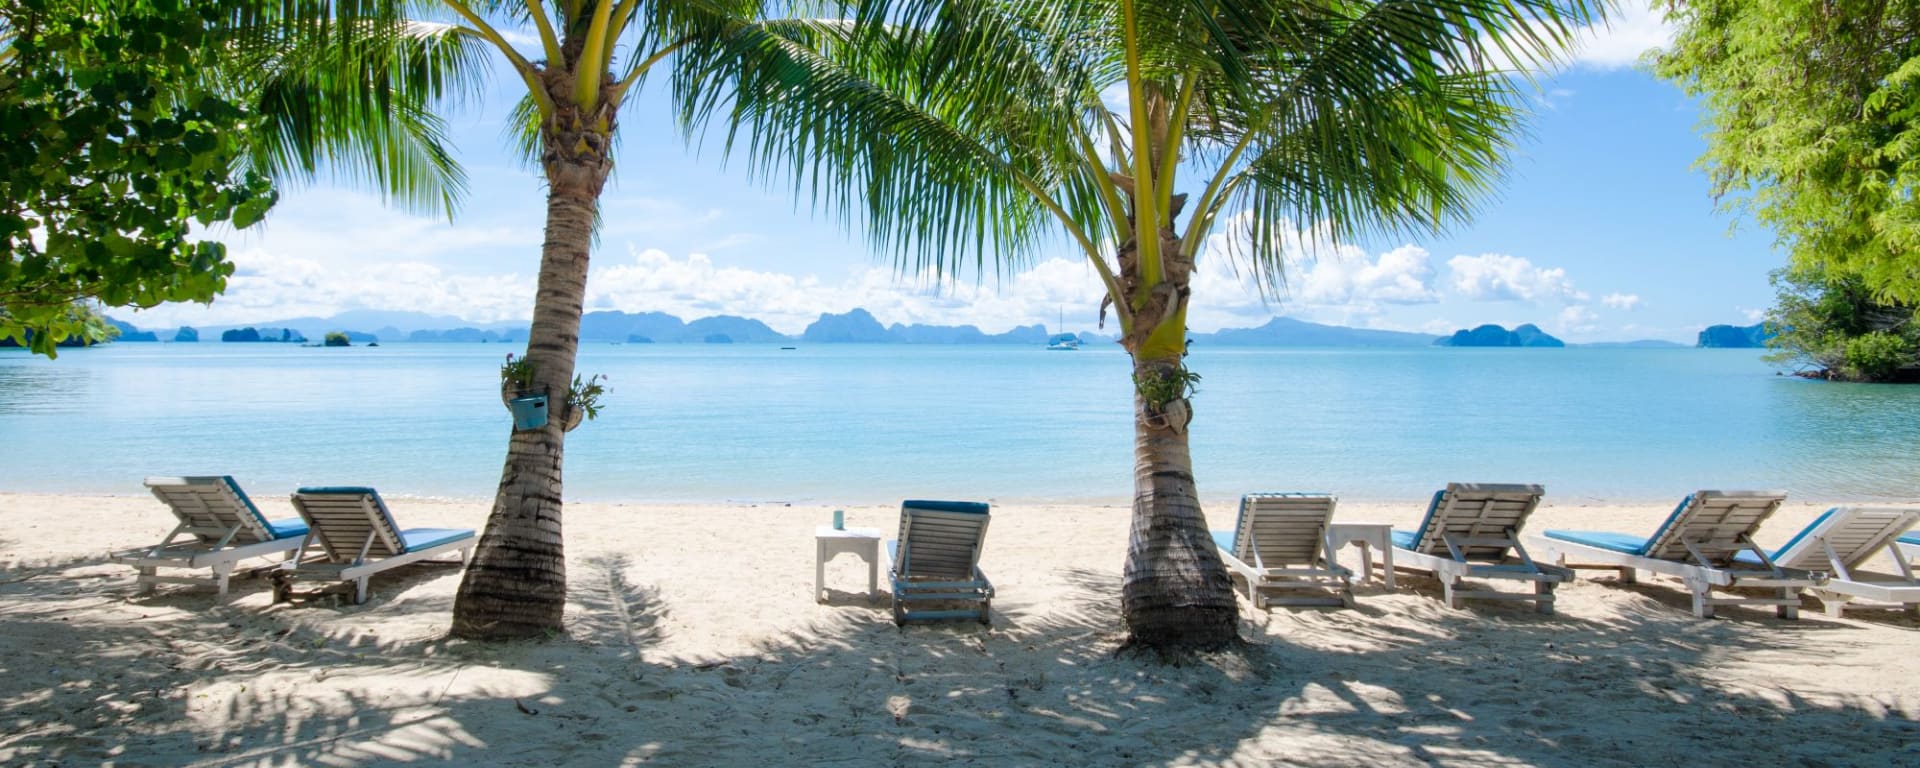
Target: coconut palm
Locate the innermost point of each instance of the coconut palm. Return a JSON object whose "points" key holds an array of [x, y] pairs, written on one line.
{"points": [[978, 128], [586, 59], [591, 54]]}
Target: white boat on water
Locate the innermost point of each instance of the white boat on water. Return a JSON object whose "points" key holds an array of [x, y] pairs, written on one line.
{"points": [[1063, 342]]}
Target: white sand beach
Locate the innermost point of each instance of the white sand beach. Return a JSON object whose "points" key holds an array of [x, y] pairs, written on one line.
{"points": [[692, 640]]}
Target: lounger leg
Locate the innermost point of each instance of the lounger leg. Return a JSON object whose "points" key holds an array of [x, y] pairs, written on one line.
{"points": [[1701, 608], [1446, 588], [1789, 611], [1544, 604], [145, 580], [466, 557], [986, 607], [1835, 605], [221, 573], [360, 590], [1628, 575]]}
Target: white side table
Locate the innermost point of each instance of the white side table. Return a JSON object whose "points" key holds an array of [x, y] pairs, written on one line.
{"points": [[1366, 536], [860, 542]]}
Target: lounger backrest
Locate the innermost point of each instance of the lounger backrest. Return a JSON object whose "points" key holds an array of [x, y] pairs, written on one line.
{"points": [[1855, 533], [211, 504], [1281, 528], [1474, 510], [1713, 522], [343, 518], [940, 540]]}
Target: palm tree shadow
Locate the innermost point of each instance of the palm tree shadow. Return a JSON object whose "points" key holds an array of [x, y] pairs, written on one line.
{"points": [[1402, 683]]}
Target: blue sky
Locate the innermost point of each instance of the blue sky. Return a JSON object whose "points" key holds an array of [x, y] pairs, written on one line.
{"points": [[1603, 231]]}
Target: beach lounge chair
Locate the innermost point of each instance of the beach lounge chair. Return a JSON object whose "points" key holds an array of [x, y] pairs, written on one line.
{"points": [[936, 561], [358, 538], [1278, 548], [1841, 542], [1472, 530], [1698, 544], [219, 527]]}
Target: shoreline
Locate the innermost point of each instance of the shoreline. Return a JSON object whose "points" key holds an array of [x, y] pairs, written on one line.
{"points": [[692, 638], [1207, 501]]}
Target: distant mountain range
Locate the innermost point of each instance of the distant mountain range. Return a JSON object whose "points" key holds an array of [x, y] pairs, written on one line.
{"points": [[856, 326]]}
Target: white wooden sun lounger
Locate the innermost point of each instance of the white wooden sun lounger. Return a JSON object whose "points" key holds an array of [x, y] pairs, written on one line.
{"points": [[1910, 546], [937, 560], [1278, 549], [1842, 541], [1472, 530], [219, 527], [360, 539], [1699, 544]]}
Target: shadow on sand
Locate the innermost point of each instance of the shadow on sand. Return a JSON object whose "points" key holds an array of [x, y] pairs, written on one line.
{"points": [[174, 678]]}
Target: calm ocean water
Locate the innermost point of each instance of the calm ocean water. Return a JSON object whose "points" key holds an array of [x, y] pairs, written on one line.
{"points": [[871, 424]]}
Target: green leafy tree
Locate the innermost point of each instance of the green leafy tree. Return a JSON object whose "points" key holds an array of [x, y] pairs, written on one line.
{"points": [[977, 131], [1813, 128], [1834, 328], [111, 148]]}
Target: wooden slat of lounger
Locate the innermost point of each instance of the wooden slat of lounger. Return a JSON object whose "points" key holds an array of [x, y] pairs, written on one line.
{"points": [[1859, 534], [1283, 530], [1479, 511], [343, 521], [1715, 524], [940, 545], [208, 503]]}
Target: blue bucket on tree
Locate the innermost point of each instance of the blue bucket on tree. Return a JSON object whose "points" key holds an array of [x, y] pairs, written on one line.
{"points": [[529, 411]]}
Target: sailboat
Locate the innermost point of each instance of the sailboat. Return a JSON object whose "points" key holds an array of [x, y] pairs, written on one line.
{"points": [[1063, 342]]}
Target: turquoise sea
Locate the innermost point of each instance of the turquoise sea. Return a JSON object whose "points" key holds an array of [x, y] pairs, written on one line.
{"points": [[871, 424]]}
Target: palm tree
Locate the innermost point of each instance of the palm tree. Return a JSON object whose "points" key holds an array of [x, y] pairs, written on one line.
{"points": [[591, 55], [977, 127], [353, 83]]}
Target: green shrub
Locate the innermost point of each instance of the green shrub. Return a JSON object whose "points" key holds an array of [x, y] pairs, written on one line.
{"points": [[1877, 356]]}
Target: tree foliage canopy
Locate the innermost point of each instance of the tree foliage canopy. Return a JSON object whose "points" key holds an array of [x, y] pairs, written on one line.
{"points": [[1813, 127], [111, 147], [1834, 328]]}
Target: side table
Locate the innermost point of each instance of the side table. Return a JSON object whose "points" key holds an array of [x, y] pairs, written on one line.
{"points": [[863, 543], [1366, 536]]}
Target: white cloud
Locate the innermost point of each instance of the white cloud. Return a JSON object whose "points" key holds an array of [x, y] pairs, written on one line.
{"points": [[1625, 301], [1577, 318], [1500, 277], [1633, 29], [1752, 315], [268, 285], [1323, 281]]}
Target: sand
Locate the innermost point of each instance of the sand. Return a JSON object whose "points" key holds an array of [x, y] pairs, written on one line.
{"points": [[692, 639]]}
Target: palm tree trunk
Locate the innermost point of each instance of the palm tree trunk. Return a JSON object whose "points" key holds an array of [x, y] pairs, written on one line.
{"points": [[516, 586], [1176, 594]]}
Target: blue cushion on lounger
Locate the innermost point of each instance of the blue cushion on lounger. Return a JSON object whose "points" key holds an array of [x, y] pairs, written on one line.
{"points": [[1407, 539], [288, 528], [1223, 539], [341, 489], [416, 539], [1911, 538], [1618, 542], [970, 507]]}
